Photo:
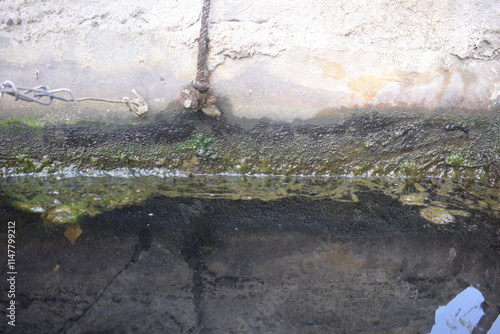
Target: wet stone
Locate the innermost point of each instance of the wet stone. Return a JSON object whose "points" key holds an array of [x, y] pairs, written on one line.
{"points": [[437, 215], [125, 228], [246, 255], [367, 143]]}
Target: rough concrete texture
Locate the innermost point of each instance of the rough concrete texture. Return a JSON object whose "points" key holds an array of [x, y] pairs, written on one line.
{"points": [[296, 265], [362, 144], [281, 59]]}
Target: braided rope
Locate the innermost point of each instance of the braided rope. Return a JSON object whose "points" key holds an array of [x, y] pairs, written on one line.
{"points": [[202, 70], [195, 97]]}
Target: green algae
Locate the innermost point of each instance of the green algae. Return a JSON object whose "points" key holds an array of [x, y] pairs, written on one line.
{"points": [[70, 200], [386, 154], [413, 199], [62, 214], [365, 145], [199, 144], [439, 215], [15, 124]]}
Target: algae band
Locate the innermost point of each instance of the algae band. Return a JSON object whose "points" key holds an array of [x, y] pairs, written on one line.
{"points": [[217, 254]]}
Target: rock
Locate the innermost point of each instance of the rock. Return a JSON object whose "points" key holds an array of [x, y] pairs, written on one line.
{"points": [[64, 214], [437, 215]]}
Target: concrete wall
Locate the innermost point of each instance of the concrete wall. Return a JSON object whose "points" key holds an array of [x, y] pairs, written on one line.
{"points": [[281, 59]]}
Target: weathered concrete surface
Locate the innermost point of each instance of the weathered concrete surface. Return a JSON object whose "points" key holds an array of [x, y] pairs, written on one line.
{"points": [[363, 144], [296, 265], [281, 59]]}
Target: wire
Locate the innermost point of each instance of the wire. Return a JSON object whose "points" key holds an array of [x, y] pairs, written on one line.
{"points": [[44, 95], [40, 94]]}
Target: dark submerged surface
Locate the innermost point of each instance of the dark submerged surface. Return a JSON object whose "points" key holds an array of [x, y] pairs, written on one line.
{"points": [[236, 264]]}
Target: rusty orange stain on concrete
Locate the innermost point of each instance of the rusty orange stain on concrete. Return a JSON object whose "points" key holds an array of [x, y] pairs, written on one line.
{"points": [[369, 85], [333, 70], [330, 69]]}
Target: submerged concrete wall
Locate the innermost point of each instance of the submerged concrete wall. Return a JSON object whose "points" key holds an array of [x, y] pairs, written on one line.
{"points": [[276, 59]]}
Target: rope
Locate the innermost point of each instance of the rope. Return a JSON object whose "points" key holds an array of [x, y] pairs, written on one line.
{"points": [[195, 97], [202, 70], [44, 95]]}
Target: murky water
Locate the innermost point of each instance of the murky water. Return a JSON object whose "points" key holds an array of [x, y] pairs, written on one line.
{"points": [[246, 254]]}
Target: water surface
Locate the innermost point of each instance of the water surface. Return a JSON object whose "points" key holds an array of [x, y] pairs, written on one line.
{"points": [[247, 254]]}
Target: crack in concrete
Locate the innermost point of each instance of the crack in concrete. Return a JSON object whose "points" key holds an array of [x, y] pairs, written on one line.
{"points": [[143, 244]]}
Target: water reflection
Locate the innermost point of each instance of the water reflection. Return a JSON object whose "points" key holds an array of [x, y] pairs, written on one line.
{"points": [[247, 254], [465, 314]]}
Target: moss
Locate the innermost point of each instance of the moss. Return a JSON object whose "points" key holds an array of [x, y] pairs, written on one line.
{"points": [[200, 148], [228, 162], [457, 159], [414, 148], [90, 123], [29, 164], [411, 169], [66, 201], [64, 214], [265, 165], [414, 199], [362, 170], [244, 166], [200, 142], [437, 215], [33, 122]]}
